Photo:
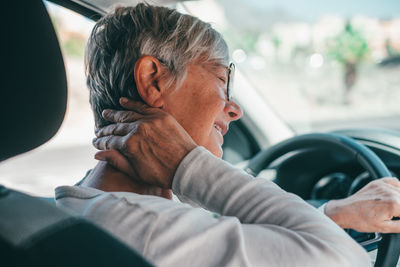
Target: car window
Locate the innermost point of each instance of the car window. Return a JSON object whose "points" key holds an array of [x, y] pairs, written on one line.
{"points": [[320, 65], [67, 156]]}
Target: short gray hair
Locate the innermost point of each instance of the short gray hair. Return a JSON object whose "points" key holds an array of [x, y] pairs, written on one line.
{"points": [[120, 38]]}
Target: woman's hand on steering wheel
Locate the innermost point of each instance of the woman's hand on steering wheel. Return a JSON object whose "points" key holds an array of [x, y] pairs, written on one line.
{"points": [[371, 209]]}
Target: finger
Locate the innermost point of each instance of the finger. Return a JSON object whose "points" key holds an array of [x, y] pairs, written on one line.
{"points": [[391, 180], [117, 160], [136, 106], [121, 115], [390, 226], [119, 129], [108, 142]]}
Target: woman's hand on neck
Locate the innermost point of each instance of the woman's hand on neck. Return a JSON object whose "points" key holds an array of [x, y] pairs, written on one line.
{"points": [[106, 178]]}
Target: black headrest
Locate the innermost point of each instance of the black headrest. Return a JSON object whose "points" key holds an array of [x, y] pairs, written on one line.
{"points": [[33, 91]]}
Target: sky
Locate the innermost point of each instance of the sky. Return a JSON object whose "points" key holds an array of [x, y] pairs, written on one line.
{"points": [[311, 9]]}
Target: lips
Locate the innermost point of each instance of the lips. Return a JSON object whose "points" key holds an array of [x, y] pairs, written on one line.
{"points": [[221, 127]]}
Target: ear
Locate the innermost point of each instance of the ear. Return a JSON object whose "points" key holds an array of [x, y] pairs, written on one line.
{"points": [[148, 74]]}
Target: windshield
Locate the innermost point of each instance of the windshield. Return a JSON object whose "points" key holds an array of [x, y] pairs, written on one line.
{"points": [[321, 66]]}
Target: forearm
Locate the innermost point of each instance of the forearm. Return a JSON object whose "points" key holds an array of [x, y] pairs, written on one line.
{"points": [[221, 188]]}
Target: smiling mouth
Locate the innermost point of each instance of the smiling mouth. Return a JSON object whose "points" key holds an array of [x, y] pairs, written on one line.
{"points": [[219, 129]]}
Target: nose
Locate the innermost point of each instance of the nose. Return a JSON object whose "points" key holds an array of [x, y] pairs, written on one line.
{"points": [[233, 110]]}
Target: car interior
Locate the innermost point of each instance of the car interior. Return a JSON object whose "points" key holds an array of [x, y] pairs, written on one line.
{"points": [[33, 231]]}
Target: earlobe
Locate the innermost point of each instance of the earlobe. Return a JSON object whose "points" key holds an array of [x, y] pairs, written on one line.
{"points": [[148, 72]]}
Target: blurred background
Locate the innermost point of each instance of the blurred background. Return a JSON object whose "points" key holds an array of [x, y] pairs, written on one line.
{"points": [[320, 66]]}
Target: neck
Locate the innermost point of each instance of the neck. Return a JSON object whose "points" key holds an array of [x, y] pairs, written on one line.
{"points": [[106, 178]]}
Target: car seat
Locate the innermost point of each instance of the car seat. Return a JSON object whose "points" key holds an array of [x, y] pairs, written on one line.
{"points": [[33, 96]]}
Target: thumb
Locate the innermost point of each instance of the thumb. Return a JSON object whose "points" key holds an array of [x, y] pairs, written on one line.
{"points": [[391, 226]]}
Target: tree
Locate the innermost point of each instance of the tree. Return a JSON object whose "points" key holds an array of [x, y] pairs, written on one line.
{"points": [[349, 48]]}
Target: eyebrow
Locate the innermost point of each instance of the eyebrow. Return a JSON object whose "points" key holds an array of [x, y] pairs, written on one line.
{"points": [[216, 66], [219, 65]]}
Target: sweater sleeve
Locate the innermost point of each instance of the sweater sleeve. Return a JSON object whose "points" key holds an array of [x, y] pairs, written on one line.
{"points": [[252, 221], [278, 228]]}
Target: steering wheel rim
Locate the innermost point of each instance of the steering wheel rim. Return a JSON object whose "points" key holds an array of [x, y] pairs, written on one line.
{"points": [[389, 247]]}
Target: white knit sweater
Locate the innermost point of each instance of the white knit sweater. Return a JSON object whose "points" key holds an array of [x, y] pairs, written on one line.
{"points": [[252, 221]]}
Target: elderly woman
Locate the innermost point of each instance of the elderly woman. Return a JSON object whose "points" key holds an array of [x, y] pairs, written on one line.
{"points": [[176, 69]]}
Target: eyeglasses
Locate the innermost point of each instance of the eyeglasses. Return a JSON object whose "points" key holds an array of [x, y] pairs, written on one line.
{"points": [[229, 84], [230, 79]]}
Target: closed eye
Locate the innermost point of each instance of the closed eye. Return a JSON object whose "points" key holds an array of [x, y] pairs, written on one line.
{"points": [[222, 79]]}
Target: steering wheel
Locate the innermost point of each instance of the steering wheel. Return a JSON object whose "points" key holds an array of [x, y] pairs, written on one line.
{"points": [[389, 246]]}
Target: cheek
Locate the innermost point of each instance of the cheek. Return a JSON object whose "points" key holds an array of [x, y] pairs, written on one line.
{"points": [[209, 136], [201, 114], [196, 106], [199, 123], [211, 111]]}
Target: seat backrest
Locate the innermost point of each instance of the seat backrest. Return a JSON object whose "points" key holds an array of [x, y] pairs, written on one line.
{"points": [[34, 232], [33, 88], [33, 97]]}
